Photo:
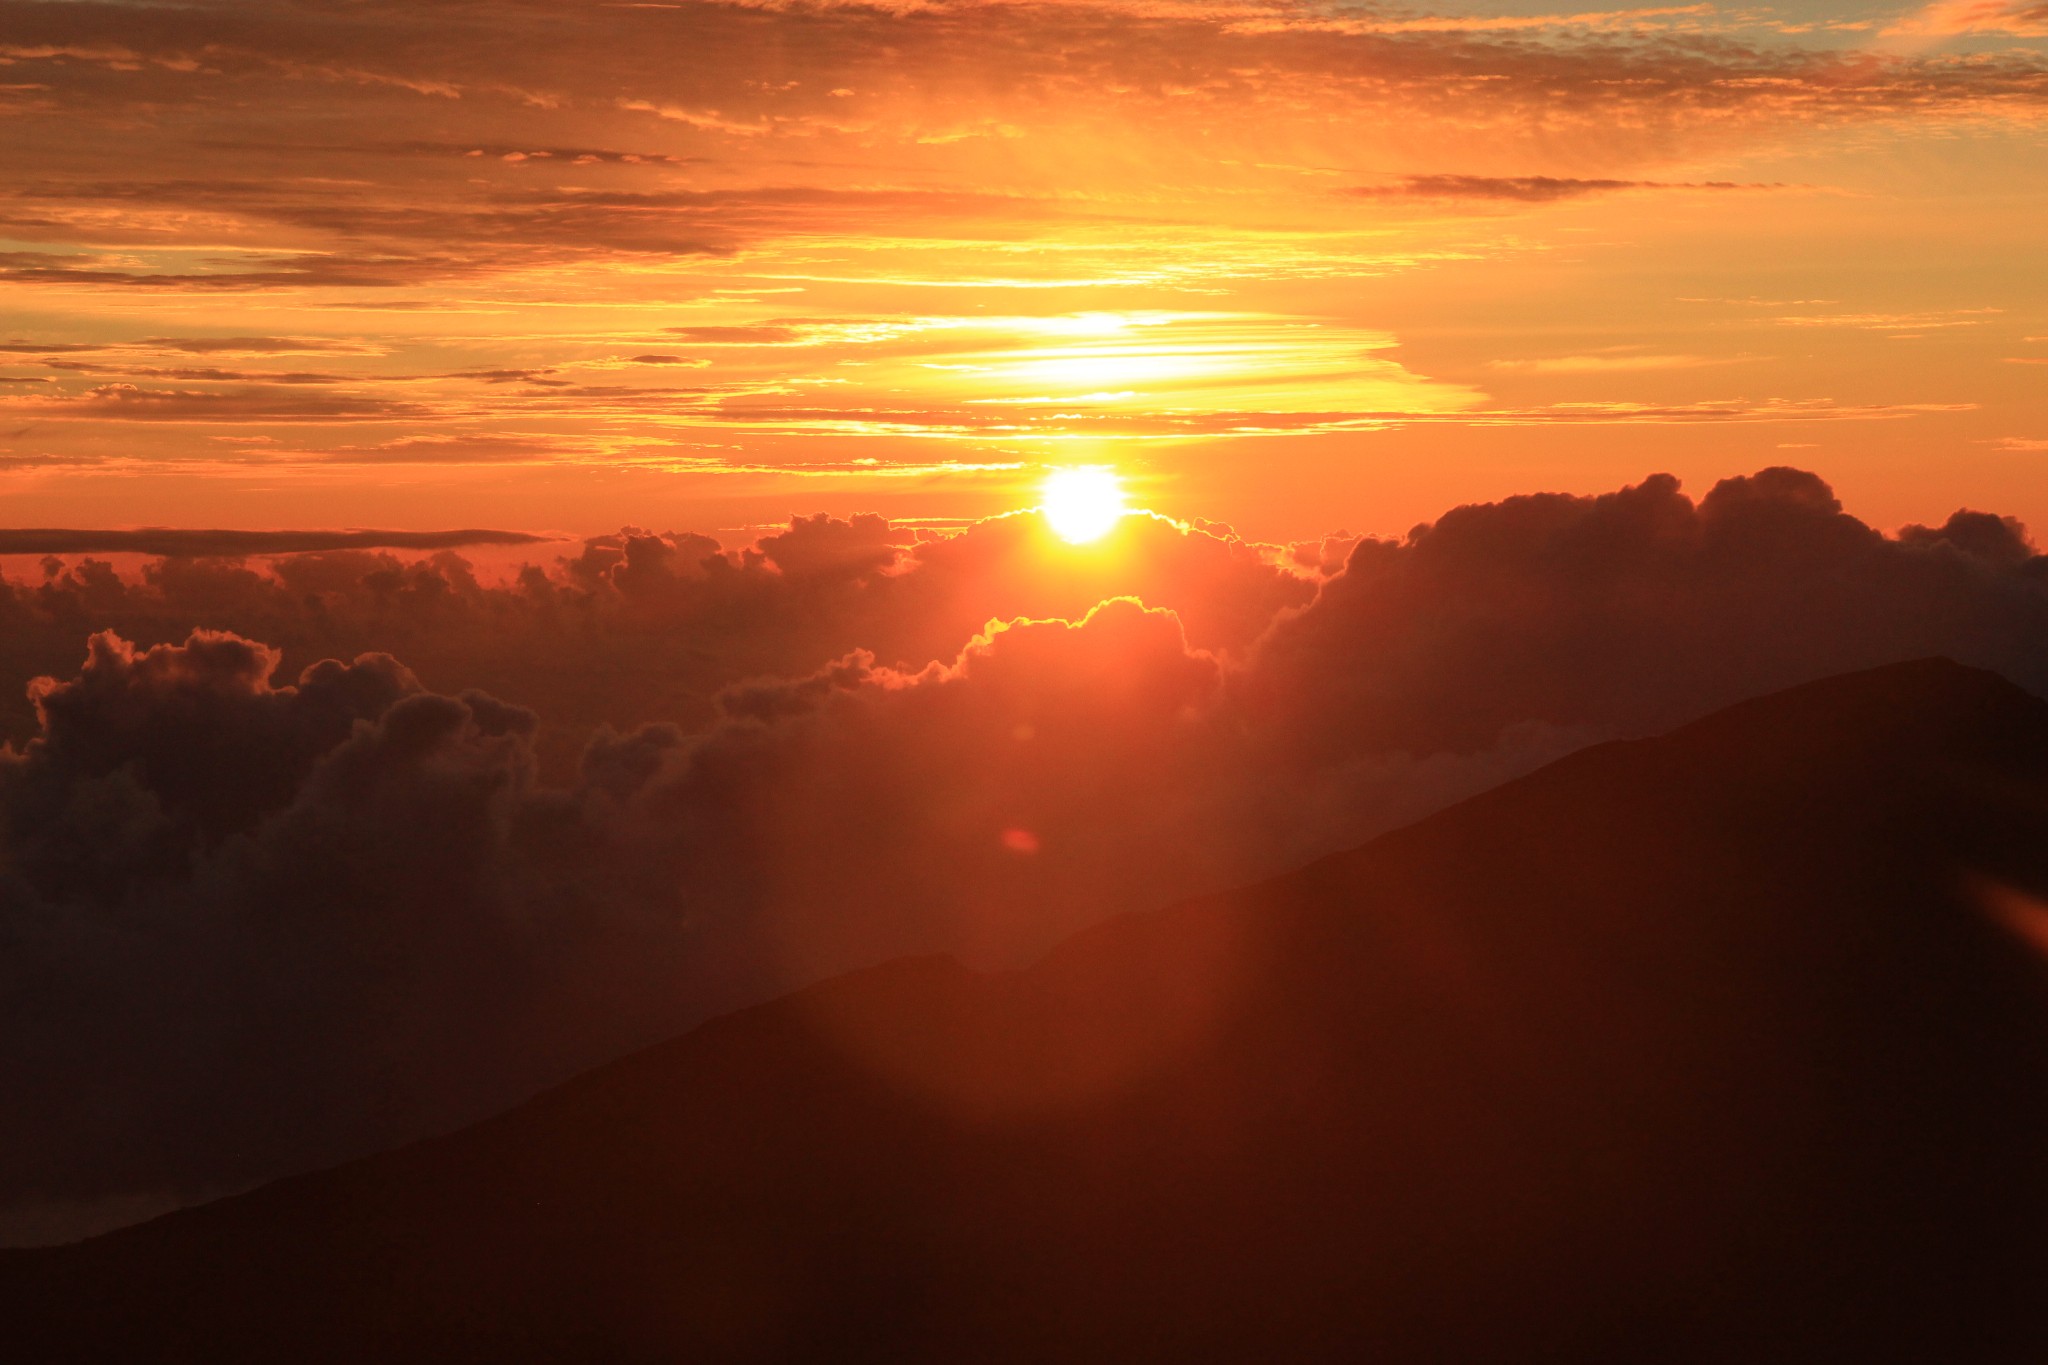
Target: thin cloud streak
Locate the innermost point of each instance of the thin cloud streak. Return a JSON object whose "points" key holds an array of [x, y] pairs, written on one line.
{"points": [[185, 544]]}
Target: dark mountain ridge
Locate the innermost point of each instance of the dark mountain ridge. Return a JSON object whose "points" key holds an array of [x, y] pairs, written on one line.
{"points": [[1731, 1044]]}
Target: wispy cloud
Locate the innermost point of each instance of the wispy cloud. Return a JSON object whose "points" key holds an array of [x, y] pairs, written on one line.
{"points": [[1948, 18], [1527, 188], [869, 227]]}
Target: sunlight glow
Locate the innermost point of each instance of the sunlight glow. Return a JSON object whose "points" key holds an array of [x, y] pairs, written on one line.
{"points": [[1082, 504]]}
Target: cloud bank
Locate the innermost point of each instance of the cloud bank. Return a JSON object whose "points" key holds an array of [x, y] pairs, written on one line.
{"points": [[262, 914]]}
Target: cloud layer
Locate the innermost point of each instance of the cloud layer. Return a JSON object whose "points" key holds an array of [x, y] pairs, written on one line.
{"points": [[262, 915], [842, 237]]}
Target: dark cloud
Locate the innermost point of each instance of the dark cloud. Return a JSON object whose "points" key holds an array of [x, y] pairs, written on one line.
{"points": [[254, 927], [235, 544], [1527, 188], [246, 345], [478, 449], [275, 400], [1636, 608], [508, 376], [330, 270], [194, 732], [641, 624], [496, 151], [201, 374]]}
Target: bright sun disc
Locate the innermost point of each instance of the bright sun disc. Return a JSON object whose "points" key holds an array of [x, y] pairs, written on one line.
{"points": [[1082, 504]]}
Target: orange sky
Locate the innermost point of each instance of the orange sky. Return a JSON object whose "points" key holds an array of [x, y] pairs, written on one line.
{"points": [[1296, 266]]}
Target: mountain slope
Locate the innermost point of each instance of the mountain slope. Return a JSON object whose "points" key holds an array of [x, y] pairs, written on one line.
{"points": [[1728, 1044]]}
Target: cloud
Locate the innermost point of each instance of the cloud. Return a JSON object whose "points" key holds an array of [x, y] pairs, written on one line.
{"points": [[248, 345], [256, 926], [1636, 607], [1948, 18], [266, 402], [517, 155], [654, 358], [1893, 322], [525, 171], [194, 732], [237, 346], [236, 544], [1611, 363], [41, 348], [655, 631], [763, 335], [1534, 189], [1280, 21], [417, 919], [513, 161], [472, 449], [332, 270]]}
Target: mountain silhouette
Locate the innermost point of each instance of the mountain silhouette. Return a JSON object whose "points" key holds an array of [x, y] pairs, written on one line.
{"points": [[1726, 1045]]}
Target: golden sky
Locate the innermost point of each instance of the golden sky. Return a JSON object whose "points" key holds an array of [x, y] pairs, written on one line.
{"points": [[563, 266]]}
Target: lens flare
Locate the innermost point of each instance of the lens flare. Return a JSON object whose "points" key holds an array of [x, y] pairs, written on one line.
{"points": [[1082, 504]]}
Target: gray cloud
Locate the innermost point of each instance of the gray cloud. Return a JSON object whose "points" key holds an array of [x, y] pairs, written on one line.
{"points": [[255, 926], [236, 544], [1527, 188]]}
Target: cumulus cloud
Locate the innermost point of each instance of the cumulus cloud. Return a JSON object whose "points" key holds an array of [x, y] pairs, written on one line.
{"points": [[640, 624], [254, 925], [1636, 608], [244, 962]]}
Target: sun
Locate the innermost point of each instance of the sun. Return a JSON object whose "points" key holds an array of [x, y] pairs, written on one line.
{"points": [[1082, 504]]}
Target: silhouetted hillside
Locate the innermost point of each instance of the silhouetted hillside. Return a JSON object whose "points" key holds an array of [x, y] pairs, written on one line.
{"points": [[1729, 1045]]}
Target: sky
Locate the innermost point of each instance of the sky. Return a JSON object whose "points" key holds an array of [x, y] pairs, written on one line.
{"points": [[1297, 267]]}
